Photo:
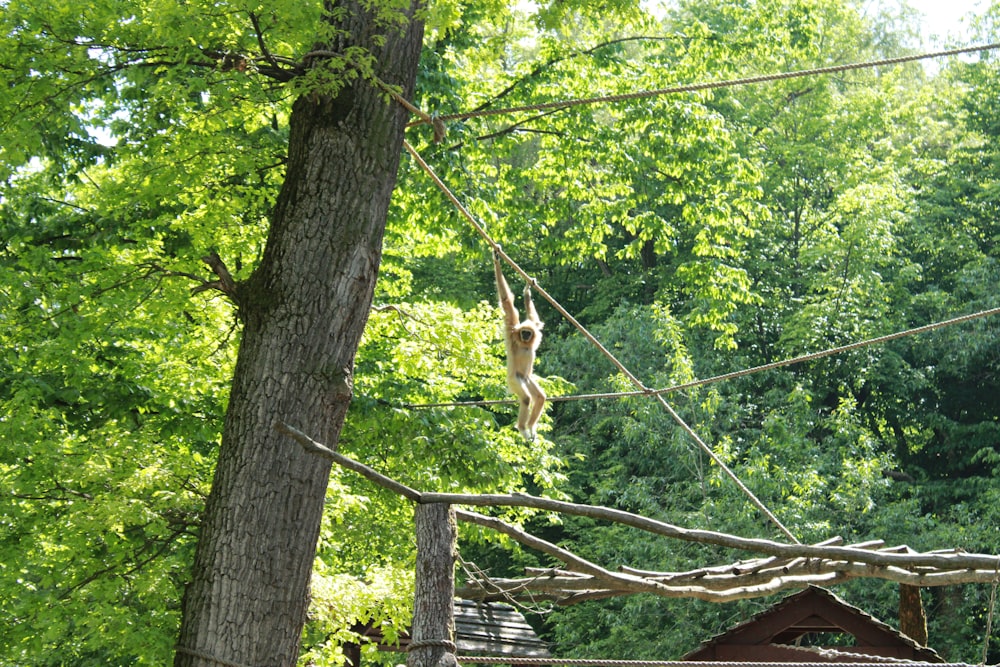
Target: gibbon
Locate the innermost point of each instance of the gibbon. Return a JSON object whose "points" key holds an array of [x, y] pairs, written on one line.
{"points": [[522, 340]]}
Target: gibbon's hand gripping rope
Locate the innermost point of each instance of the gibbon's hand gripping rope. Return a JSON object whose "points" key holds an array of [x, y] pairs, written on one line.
{"points": [[589, 336]]}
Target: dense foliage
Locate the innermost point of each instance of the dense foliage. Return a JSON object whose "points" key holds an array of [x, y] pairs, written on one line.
{"points": [[695, 234]]}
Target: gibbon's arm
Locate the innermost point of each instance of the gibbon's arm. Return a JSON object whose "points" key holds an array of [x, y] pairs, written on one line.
{"points": [[529, 307], [510, 315]]}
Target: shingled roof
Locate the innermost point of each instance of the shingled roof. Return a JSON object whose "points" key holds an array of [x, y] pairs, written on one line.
{"points": [[482, 628], [495, 629], [775, 634]]}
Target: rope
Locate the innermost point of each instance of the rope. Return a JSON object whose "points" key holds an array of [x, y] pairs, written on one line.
{"points": [[855, 657], [736, 374], [589, 336], [434, 121], [207, 656], [712, 85], [589, 662], [482, 580], [432, 643]]}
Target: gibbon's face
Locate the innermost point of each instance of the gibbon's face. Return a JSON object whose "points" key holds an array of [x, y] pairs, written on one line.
{"points": [[526, 334]]}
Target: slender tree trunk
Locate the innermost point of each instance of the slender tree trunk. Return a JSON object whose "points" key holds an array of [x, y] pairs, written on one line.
{"points": [[304, 310]]}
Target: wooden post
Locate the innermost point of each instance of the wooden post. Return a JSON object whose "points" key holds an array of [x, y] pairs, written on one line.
{"points": [[352, 654], [912, 621], [432, 639]]}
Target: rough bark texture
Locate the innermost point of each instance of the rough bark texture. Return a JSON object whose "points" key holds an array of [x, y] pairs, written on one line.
{"points": [[433, 634], [912, 621], [304, 311]]}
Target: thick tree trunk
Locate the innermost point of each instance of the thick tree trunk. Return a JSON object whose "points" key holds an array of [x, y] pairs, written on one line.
{"points": [[304, 311], [433, 636]]}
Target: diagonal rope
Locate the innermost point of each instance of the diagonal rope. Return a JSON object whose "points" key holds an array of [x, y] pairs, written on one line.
{"points": [[711, 85], [590, 337], [812, 356]]}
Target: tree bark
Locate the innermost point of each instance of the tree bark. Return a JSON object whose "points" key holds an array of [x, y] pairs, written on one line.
{"points": [[304, 310], [433, 634]]}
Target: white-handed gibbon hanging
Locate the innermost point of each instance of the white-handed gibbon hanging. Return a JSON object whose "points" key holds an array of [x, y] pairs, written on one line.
{"points": [[522, 340]]}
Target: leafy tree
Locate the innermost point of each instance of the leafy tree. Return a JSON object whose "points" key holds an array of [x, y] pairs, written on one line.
{"points": [[697, 234], [138, 140], [188, 85]]}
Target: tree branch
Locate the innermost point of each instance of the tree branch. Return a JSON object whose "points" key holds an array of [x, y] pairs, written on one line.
{"points": [[255, 20], [539, 69], [567, 590], [224, 284], [574, 562], [789, 566], [949, 561], [370, 474]]}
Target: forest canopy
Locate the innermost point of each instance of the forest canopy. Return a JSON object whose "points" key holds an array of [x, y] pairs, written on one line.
{"points": [[144, 148]]}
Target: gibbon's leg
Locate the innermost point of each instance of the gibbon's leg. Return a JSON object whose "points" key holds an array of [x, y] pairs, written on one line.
{"points": [[537, 403], [522, 420], [520, 387]]}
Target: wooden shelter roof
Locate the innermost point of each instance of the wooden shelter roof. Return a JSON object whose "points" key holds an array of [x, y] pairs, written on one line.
{"points": [[495, 629], [777, 633], [483, 628]]}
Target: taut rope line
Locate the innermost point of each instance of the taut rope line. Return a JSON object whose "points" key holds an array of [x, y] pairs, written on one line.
{"points": [[711, 85], [589, 336], [736, 374]]}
